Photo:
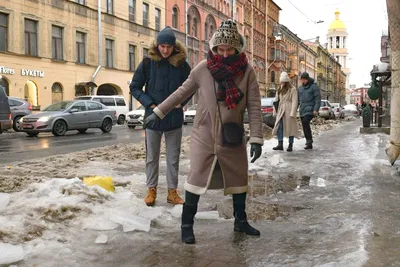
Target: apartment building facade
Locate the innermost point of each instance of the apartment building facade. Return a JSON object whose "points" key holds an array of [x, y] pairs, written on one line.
{"points": [[58, 49]]}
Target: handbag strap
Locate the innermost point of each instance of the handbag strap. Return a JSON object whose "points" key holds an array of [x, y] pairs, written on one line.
{"points": [[219, 110]]}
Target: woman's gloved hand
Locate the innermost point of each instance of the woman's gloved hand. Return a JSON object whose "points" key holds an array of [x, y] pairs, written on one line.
{"points": [[150, 120], [255, 152]]}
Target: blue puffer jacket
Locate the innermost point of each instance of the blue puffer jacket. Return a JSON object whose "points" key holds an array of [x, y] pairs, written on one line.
{"points": [[309, 98], [166, 75]]}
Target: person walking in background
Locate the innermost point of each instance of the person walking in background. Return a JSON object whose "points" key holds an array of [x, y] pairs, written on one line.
{"points": [[310, 102], [286, 122], [162, 73], [226, 84]]}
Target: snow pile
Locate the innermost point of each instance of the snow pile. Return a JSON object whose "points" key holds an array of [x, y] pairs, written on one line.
{"points": [[10, 254]]}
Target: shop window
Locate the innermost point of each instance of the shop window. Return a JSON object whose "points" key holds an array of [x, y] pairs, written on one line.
{"points": [[57, 92]]}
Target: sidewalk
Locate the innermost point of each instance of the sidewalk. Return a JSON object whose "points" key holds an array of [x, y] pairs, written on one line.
{"points": [[336, 205]]}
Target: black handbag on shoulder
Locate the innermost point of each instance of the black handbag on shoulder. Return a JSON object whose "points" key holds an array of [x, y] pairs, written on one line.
{"points": [[232, 133], [276, 104]]}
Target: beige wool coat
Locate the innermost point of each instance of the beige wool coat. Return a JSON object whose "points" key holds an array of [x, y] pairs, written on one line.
{"points": [[287, 111], [206, 147]]}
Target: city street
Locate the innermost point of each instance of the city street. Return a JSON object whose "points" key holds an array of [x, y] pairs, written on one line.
{"points": [[18, 146]]}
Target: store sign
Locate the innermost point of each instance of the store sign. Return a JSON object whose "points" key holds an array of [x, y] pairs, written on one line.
{"points": [[5, 70], [32, 73]]}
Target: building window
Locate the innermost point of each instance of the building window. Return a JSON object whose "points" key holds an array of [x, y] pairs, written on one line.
{"points": [[110, 7], [337, 42], [57, 43], [3, 31], [132, 10], [132, 50], [109, 53], [145, 52], [272, 76], [196, 58], [82, 2], [188, 24], [80, 47], [31, 38], [195, 27], [145, 15], [175, 18], [158, 19], [57, 93]]}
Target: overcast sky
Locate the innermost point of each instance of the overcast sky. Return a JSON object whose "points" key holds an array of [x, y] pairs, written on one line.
{"points": [[365, 20]]}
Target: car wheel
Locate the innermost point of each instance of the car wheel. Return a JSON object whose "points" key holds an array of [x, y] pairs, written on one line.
{"points": [[132, 127], [59, 128], [82, 131], [32, 134], [106, 126], [17, 124], [121, 120]]}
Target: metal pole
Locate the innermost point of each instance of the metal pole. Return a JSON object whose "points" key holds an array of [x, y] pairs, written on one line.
{"points": [[100, 55]]}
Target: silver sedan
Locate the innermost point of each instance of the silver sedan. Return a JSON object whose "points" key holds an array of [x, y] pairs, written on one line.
{"points": [[70, 115]]}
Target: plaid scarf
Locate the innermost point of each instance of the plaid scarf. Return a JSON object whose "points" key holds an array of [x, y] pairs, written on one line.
{"points": [[224, 71]]}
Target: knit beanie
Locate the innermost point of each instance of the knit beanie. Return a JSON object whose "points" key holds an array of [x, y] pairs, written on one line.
{"points": [[284, 78], [227, 34], [305, 75], [166, 36]]}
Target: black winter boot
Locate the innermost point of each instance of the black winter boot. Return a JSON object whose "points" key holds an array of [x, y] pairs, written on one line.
{"points": [[279, 146], [290, 148], [241, 224], [188, 212], [308, 146]]}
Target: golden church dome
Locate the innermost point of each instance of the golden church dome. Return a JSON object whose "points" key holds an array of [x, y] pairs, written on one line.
{"points": [[337, 23]]}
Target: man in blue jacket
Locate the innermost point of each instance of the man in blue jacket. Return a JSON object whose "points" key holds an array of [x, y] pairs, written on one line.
{"points": [[162, 74], [310, 101]]}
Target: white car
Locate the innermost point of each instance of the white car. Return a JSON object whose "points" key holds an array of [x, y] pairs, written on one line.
{"points": [[338, 110], [189, 114], [135, 117], [326, 110]]}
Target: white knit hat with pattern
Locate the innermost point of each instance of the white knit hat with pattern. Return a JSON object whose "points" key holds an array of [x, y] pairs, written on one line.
{"points": [[227, 34], [284, 78]]}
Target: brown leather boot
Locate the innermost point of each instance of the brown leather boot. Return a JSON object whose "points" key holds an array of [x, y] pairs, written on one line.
{"points": [[150, 200], [174, 198]]}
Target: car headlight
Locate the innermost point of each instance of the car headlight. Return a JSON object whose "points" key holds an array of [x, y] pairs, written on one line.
{"points": [[44, 119], [21, 120]]}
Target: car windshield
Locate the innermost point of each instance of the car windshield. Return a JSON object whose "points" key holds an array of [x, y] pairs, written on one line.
{"points": [[267, 102], [323, 103], [59, 106]]}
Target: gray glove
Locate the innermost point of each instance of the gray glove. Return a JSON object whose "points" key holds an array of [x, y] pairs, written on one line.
{"points": [[150, 121]]}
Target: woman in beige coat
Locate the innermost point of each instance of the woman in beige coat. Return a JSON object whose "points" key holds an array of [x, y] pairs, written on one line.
{"points": [[226, 85], [286, 122]]}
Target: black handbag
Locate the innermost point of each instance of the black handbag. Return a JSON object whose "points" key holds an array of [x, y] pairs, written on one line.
{"points": [[276, 104], [232, 133]]}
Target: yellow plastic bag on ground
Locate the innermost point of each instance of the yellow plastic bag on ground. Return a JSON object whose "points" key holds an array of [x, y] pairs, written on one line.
{"points": [[105, 182]]}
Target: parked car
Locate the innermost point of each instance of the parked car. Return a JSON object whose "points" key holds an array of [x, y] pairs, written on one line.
{"points": [[135, 117], [19, 108], [5, 113], [326, 110], [337, 110], [70, 115], [114, 102], [267, 110], [189, 114], [351, 110]]}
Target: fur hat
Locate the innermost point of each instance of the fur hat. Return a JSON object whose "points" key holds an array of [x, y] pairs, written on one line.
{"points": [[227, 34], [284, 78]]}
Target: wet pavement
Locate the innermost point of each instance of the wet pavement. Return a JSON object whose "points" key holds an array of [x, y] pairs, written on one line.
{"points": [[18, 146], [337, 205]]}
